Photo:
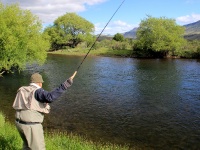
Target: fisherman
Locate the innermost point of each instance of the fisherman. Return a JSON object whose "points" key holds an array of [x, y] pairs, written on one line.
{"points": [[31, 103]]}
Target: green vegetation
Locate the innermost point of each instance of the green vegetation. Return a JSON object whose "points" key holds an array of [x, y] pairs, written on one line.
{"points": [[158, 37], [103, 48], [10, 140], [70, 30], [99, 52], [21, 39], [191, 50], [118, 37], [9, 136]]}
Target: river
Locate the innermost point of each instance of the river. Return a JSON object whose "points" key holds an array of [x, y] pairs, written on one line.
{"points": [[144, 103]]}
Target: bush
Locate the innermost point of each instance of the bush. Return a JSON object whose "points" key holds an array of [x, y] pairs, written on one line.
{"points": [[120, 45]]}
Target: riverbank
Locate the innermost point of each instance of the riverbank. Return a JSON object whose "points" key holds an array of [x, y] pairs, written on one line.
{"points": [[10, 140], [108, 53], [97, 52]]}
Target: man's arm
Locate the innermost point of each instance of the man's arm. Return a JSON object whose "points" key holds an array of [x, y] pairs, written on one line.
{"points": [[47, 97]]}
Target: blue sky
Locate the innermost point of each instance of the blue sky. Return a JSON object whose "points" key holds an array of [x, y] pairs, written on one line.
{"points": [[99, 12]]}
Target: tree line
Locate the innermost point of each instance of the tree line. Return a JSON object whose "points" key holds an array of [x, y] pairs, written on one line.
{"points": [[23, 40]]}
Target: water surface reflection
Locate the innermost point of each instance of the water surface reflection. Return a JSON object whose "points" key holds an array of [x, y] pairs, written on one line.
{"points": [[146, 103]]}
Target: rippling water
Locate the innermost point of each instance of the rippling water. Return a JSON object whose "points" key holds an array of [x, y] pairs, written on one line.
{"points": [[145, 103]]}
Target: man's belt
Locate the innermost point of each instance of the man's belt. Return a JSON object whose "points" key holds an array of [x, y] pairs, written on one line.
{"points": [[27, 123]]}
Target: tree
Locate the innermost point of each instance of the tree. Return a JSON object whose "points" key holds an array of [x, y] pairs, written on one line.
{"points": [[159, 36], [69, 30], [21, 39], [191, 50], [118, 37]]}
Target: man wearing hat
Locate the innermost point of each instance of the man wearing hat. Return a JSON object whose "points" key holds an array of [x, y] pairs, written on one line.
{"points": [[31, 103]]}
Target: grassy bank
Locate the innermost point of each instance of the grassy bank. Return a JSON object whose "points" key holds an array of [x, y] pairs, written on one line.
{"points": [[10, 140], [97, 52]]}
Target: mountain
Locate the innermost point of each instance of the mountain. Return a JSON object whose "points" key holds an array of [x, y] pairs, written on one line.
{"points": [[130, 34], [192, 28], [192, 31]]}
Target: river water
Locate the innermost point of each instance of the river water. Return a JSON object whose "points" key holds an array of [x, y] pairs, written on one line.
{"points": [[144, 103]]}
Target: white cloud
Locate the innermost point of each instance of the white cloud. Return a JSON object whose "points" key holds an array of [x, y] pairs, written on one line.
{"points": [[49, 10], [188, 18], [114, 27]]}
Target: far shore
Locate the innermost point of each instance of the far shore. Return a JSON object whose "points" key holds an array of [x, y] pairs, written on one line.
{"points": [[105, 53], [99, 52]]}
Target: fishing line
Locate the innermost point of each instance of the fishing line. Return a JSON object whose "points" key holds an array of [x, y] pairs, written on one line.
{"points": [[99, 35]]}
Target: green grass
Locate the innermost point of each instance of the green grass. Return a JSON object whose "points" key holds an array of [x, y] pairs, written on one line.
{"points": [[98, 52], [10, 140], [9, 136]]}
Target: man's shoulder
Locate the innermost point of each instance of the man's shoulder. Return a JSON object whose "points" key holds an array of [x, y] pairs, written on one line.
{"points": [[28, 88]]}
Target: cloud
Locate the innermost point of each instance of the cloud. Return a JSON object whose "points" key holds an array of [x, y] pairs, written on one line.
{"points": [[188, 18], [49, 10], [114, 27]]}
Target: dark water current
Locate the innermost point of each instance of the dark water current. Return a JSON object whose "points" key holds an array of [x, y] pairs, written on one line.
{"points": [[144, 103]]}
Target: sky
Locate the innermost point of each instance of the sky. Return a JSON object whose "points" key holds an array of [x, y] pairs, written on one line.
{"points": [[99, 12]]}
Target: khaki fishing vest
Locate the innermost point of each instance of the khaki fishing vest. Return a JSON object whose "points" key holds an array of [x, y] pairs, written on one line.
{"points": [[25, 100]]}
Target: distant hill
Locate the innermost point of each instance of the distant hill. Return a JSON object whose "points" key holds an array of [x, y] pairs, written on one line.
{"points": [[130, 34], [192, 28], [192, 31]]}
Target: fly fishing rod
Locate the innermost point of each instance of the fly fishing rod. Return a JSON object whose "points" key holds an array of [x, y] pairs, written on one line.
{"points": [[98, 37]]}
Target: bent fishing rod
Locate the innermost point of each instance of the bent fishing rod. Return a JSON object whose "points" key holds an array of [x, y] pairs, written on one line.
{"points": [[98, 38]]}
